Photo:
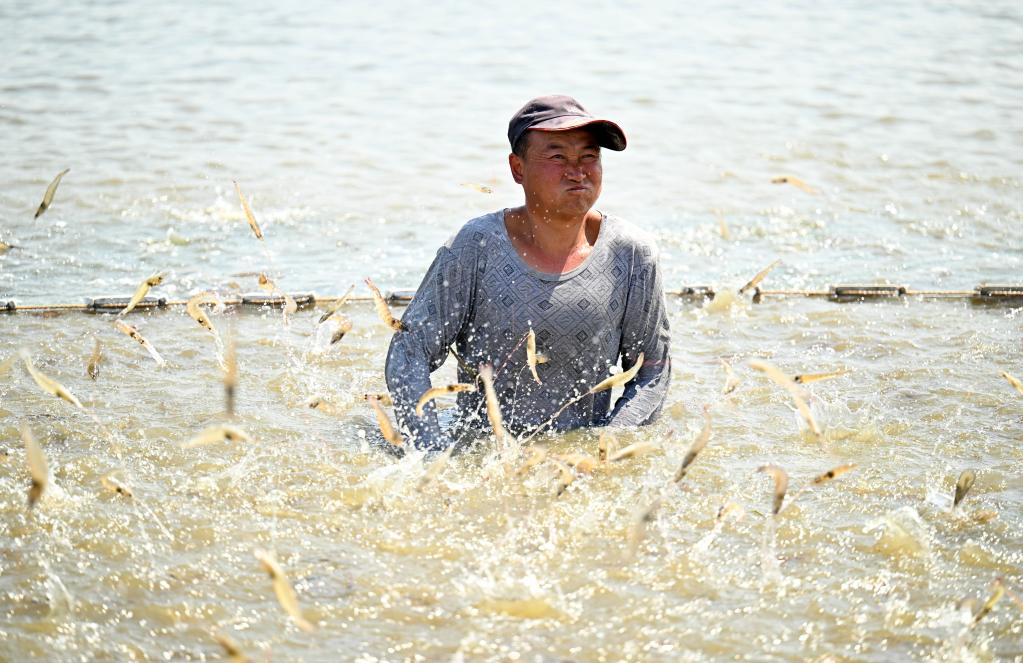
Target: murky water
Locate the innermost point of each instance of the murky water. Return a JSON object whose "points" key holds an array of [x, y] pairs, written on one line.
{"points": [[488, 566], [353, 132]]}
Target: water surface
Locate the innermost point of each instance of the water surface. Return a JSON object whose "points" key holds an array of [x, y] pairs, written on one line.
{"points": [[353, 130]]}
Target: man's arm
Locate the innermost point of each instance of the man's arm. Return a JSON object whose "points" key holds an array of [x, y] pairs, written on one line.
{"points": [[432, 320], [644, 329]]}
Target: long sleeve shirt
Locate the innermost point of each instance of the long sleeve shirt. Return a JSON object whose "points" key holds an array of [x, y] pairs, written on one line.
{"points": [[480, 296]]}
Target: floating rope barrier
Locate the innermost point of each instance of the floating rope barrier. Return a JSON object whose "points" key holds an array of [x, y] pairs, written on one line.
{"points": [[982, 294], [860, 293]]}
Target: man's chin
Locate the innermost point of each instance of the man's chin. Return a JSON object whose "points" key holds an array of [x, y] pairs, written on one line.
{"points": [[577, 204]]}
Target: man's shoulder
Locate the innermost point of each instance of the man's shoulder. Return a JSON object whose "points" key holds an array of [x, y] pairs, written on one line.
{"points": [[476, 233], [626, 236]]}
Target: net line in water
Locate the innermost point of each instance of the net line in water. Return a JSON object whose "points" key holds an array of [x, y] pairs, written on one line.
{"points": [[981, 294]]}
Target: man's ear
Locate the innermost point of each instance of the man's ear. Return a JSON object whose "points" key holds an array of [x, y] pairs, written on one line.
{"points": [[515, 164]]}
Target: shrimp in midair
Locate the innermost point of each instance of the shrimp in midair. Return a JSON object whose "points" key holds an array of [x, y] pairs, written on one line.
{"points": [[321, 404], [963, 485], [386, 428], [434, 392], [823, 477], [730, 509], [37, 467], [134, 334], [141, 292], [290, 305], [786, 383], [794, 181], [383, 398], [249, 216], [230, 375], [92, 368], [50, 385], [781, 484], [344, 325], [996, 595], [637, 532], [337, 305], [565, 476], [631, 451], [436, 467], [199, 315], [731, 380], [115, 485], [1014, 381], [486, 374], [531, 354], [482, 188], [723, 230], [1015, 599], [807, 378], [265, 283], [604, 445], [761, 275], [833, 473], [536, 456], [215, 434], [50, 191], [618, 379], [282, 588], [697, 446], [231, 649], [382, 309], [580, 462]]}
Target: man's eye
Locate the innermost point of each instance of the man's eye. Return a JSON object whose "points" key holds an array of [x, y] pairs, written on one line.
{"points": [[589, 157], [559, 157]]}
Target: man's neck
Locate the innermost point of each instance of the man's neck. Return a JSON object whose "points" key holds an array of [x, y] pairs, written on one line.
{"points": [[550, 243]]}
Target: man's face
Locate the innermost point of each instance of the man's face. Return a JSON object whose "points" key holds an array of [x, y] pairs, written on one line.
{"points": [[560, 171]]}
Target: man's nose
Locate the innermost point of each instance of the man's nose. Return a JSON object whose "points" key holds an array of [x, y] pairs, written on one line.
{"points": [[575, 172]]}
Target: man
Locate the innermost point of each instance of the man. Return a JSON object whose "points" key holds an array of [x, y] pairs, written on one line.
{"points": [[588, 285]]}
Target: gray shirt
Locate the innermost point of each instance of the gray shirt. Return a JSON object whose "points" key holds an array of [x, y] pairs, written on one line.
{"points": [[482, 297]]}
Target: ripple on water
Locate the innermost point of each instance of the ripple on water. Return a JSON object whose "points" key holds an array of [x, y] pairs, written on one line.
{"points": [[479, 565]]}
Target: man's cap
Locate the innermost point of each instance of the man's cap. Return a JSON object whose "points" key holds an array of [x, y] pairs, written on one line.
{"points": [[558, 112]]}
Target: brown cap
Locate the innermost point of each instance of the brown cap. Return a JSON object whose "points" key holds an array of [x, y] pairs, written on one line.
{"points": [[558, 112]]}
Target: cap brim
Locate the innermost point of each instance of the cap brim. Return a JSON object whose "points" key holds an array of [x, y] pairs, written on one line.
{"points": [[608, 134]]}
